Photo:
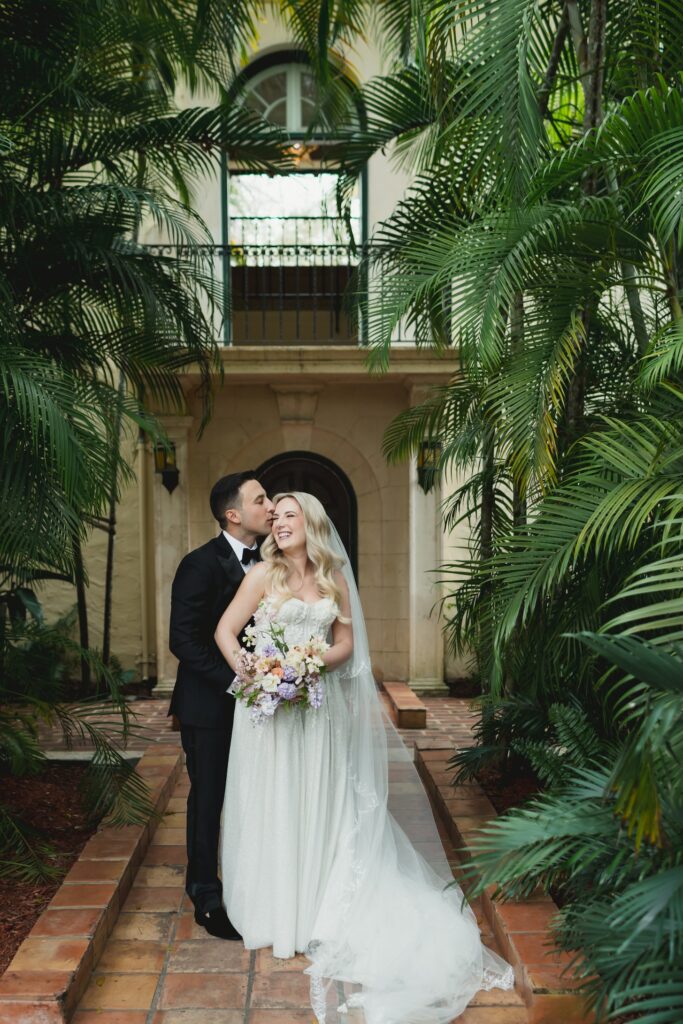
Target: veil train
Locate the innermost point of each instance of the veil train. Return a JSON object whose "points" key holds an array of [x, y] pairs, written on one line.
{"points": [[403, 944]]}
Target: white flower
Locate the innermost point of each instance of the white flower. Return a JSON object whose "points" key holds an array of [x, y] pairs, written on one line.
{"points": [[269, 683], [295, 659], [318, 645]]}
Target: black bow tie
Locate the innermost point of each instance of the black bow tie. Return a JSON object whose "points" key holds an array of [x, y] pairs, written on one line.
{"points": [[249, 555]]}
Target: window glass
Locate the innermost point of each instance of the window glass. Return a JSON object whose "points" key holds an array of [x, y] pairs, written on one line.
{"points": [[285, 95], [291, 209], [268, 96], [309, 99]]}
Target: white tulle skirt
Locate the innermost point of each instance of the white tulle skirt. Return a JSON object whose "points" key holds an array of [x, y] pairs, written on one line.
{"points": [[287, 815]]}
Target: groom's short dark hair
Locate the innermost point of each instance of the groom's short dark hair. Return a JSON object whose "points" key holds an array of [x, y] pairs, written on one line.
{"points": [[225, 494]]}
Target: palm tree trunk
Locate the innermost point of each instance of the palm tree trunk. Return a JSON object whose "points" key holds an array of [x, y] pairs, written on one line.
{"points": [[488, 505], [590, 55], [488, 500], [516, 345], [82, 606], [111, 533], [669, 266], [553, 64], [113, 491], [595, 71], [635, 307]]}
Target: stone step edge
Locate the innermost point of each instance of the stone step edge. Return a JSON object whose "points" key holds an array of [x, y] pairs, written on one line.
{"points": [[407, 709], [521, 927], [68, 938]]}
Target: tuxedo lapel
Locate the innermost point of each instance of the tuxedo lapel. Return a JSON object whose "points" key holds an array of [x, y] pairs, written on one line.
{"points": [[228, 561]]}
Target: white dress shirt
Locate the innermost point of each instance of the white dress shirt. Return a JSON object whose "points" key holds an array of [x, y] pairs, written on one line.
{"points": [[238, 547]]}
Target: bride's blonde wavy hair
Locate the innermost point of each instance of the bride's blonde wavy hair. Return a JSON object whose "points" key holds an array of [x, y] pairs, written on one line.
{"points": [[318, 549]]}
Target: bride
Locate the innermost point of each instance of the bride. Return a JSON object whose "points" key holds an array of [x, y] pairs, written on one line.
{"points": [[329, 846]]}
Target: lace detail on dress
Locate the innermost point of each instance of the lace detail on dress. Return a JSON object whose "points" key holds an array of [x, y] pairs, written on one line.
{"points": [[492, 976], [318, 998]]}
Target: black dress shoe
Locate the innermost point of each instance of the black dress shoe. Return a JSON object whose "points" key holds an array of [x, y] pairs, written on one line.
{"points": [[217, 923]]}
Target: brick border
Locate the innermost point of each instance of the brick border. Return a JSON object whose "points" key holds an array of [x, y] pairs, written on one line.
{"points": [[52, 967], [521, 927]]}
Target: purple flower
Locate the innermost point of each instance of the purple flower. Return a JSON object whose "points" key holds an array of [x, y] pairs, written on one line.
{"points": [[289, 674], [287, 691], [316, 693], [269, 651]]}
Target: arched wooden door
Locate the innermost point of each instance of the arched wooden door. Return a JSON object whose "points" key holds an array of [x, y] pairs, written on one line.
{"points": [[306, 471]]}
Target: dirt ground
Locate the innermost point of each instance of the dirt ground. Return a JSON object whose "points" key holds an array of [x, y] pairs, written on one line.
{"points": [[51, 803]]}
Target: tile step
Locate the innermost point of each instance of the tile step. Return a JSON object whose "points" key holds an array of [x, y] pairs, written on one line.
{"points": [[407, 709], [522, 928]]}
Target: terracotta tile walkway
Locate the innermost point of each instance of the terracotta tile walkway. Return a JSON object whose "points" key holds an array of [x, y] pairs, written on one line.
{"points": [[159, 967]]}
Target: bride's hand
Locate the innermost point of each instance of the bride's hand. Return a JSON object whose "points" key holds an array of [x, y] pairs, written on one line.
{"points": [[239, 611]]}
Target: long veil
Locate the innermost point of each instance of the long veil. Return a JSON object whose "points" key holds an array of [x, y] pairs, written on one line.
{"points": [[405, 946]]}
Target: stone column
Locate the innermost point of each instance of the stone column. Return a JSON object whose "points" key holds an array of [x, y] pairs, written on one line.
{"points": [[426, 661], [171, 543]]}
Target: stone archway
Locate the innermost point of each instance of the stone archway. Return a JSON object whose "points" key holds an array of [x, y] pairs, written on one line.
{"points": [[308, 471]]}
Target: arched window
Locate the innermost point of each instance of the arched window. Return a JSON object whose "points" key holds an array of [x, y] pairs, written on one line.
{"points": [[285, 94]]}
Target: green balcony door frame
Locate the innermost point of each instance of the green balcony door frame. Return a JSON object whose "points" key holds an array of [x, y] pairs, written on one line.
{"points": [[278, 59]]}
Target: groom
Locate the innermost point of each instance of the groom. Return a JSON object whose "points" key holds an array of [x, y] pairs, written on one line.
{"points": [[205, 583]]}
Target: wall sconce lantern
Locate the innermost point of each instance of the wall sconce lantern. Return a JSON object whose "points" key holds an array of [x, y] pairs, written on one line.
{"points": [[428, 463], [165, 463]]}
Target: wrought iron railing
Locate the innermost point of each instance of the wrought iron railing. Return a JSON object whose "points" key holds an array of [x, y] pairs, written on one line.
{"points": [[299, 294], [291, 230]]}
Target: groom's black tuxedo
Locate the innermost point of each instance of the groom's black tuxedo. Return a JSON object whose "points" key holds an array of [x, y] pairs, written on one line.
{"points": [[205, 583]]}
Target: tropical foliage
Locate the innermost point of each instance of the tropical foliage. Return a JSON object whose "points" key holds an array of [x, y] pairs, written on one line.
{"points": [[543, 240], [93, 329], [36, 660]]}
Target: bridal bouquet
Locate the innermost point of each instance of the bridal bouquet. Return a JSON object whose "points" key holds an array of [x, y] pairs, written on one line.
{"points": [[280, 675]]}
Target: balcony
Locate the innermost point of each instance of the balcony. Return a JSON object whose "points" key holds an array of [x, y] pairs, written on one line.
{"points": [[291, 294], [305, 290]]}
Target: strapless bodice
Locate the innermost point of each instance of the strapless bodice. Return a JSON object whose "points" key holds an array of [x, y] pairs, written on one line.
{"points": [[300, 619]]}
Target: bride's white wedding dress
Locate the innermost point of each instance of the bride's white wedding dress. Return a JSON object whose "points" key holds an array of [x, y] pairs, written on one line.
{"points": [[287, 806], [312, 860]]}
